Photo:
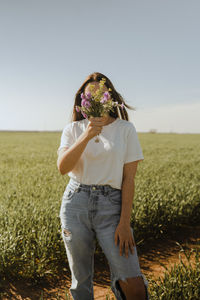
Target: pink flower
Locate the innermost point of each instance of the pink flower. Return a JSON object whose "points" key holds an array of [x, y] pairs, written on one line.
{"points": [[83, 96], [106, 95], [103, 100], [77, 109], [122, 106], [84, 115], [88, 95], [85, 103]]}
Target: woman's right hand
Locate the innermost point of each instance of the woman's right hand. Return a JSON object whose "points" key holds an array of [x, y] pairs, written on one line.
{"points": [[94, 126]]}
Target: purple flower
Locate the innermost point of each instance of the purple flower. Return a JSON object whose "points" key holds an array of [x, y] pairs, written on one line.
{"points": [[88, 95], [84, 115], [77, 109], [83, 96], [85, 103], [122, 106], [103, 100], [106, 95]]}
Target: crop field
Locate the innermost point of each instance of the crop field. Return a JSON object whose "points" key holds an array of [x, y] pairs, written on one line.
{"points": [[167, 195]]}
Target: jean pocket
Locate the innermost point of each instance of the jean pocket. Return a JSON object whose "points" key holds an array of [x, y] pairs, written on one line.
{"points": [[69, 193], [115, 197]]}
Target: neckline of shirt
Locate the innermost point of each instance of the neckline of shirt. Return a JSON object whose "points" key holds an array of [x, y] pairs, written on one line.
{"points": [[115, 121]]}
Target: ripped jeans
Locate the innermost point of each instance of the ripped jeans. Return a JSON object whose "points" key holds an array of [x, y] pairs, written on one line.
{"points": [[89, 211]]}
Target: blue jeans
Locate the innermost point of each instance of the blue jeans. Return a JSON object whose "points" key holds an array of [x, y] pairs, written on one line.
{"points": [[89, 211]]}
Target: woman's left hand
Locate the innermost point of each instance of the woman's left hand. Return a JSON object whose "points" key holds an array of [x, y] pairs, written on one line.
{"points": [[124, 235]]}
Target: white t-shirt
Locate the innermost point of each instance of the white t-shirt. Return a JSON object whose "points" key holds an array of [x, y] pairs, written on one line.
{"points": [[102, 163]]}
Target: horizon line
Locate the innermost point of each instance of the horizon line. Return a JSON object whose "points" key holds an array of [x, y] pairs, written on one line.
{"points": [[168, 132]]}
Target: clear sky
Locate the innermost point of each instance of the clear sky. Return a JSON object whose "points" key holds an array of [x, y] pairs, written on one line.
{"points": [[149, 49]]}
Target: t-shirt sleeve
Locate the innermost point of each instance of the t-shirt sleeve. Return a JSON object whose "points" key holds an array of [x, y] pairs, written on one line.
{"points": [[67, 138], [133, 149]]}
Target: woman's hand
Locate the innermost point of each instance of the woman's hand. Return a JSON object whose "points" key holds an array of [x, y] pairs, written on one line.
{"points": [[124, 235], [95, 126]]}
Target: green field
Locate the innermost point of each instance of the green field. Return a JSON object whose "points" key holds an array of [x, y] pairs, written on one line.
{"points": [[167, 195]]}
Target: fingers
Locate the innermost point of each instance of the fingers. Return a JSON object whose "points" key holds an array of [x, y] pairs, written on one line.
{"points": [[121, 247], [124, 246], [97, 129], [97, 121], [126, 241], [132, 244], [97, 118]]}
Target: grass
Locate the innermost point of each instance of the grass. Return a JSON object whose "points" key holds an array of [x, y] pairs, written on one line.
{"points": [[167, 196]]}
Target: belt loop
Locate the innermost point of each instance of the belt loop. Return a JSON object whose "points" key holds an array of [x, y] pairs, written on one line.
{"points": [[78, 187], [105, 190]]}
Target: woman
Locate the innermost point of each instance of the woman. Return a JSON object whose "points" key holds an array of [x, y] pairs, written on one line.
{"points": [[97, 201]]}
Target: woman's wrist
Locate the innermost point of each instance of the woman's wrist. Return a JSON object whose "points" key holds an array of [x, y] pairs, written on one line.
{"points": [[85, 137], [124, 222]]}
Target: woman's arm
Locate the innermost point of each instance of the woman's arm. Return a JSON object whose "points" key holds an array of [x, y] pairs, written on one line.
{"points": [[128, 189], [123, 232], [68, 159]]}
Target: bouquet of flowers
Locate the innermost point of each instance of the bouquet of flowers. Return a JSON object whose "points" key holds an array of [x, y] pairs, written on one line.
{"points": [[97, 104]]}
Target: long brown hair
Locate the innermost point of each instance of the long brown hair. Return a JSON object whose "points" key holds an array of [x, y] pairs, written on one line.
{"points": [[96, 76]]}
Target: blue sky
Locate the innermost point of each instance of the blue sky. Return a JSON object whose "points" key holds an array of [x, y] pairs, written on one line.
{"points": [[149, 49]]}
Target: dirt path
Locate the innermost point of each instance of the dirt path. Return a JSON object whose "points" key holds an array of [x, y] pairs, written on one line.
{"points": [[164, 251]]}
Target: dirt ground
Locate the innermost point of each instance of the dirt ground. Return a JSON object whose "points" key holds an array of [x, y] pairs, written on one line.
{"points": [[164, 251]]}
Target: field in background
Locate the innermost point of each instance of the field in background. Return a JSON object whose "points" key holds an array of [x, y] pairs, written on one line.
{"points": [[167, 195]]}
